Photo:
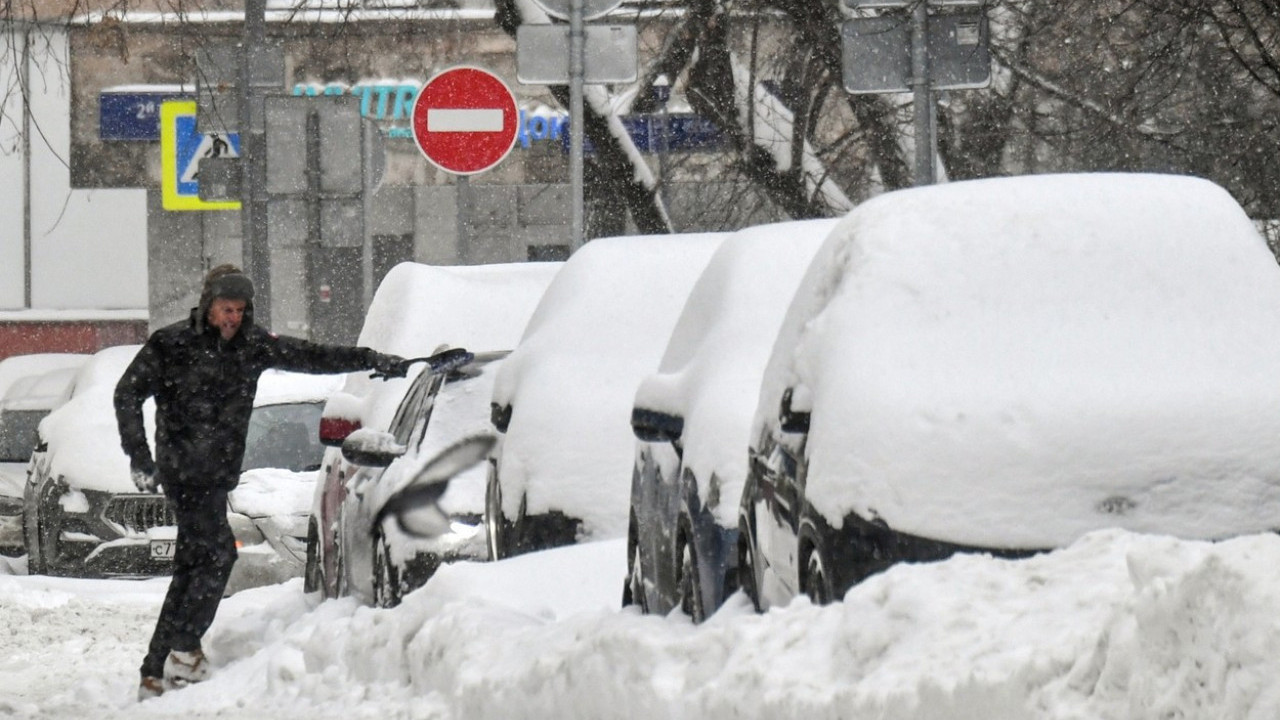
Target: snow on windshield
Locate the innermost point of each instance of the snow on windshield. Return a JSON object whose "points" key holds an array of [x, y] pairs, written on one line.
{"points": [[1017, 361]]}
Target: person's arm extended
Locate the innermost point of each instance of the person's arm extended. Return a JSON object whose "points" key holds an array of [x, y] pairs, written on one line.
{"points": [[298, 355], [135, 386]]}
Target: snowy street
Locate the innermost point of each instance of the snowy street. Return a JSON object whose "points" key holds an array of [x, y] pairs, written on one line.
{"points": [[1116, 626]]}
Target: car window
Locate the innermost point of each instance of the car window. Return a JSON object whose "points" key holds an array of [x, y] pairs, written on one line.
{"points": [[414, 409], [284, 436]]}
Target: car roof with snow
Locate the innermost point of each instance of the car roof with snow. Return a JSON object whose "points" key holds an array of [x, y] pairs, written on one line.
{"points": [[601, 327], [419, 308], [39, 392], [16, 367], [1014, 362], [710, 372]]}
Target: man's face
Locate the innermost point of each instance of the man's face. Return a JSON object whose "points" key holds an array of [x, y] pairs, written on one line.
{"points": [[226, 315]]}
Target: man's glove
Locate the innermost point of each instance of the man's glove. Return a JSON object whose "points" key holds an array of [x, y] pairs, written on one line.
{"points": [[389, 366], [145, 481]]}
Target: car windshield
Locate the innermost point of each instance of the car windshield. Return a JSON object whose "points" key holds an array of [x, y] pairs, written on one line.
{"points": [[284, 436], [18, 435]]}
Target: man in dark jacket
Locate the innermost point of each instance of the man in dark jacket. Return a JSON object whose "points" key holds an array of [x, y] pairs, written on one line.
{"points": [[203, 373]]}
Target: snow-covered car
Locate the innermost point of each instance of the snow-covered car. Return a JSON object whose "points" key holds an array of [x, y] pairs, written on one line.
{"points": [[560, 472], [417, 310], [83, 516], [692, 420], [439, 409], [1004, 365], [24, 402]]}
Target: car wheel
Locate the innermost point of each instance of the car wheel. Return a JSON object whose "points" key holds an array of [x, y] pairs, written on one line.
{"points": [[817, 578], [633, 584], [386, 577], [688, 589], [47, 533], [313, 575], [497, 529], [339, 570], [35, 557], [747, 574]]}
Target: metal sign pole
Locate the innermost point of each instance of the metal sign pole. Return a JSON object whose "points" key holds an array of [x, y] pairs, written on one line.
{"points": [[576, 133], [922, 95], [253, 209]]}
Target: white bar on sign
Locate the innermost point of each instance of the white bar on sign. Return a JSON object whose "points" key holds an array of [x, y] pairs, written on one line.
{"points": [[463, 120]]}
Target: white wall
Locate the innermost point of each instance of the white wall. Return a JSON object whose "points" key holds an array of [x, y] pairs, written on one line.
{"points": [[88, 248], [11, 283]]}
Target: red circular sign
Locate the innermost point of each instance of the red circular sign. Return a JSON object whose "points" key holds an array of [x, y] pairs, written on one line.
{"points": [[465, 119]]}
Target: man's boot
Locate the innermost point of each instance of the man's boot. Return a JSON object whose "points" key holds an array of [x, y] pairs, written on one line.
{"points": [[186, 667], [150, 687]]}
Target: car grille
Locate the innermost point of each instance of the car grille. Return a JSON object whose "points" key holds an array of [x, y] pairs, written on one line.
{"points": [[140, 513]]}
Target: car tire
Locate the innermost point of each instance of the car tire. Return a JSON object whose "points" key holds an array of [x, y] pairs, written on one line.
{"points": [[688, 587], [817, 580], [313, 575], [497, 529], [386, 577], [633, 584], [35, 555], [46, 534], [747, 573], [340, 586]]}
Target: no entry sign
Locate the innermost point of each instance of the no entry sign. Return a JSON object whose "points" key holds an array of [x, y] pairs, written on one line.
{"points": [[465, 120]]}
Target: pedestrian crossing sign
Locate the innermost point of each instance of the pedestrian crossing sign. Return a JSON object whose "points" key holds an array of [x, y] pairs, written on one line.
{"points": [[181, 149]]}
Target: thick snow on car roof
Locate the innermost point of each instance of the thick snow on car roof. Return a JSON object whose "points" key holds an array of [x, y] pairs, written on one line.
{"points": [[601, 327], [16, 367], [710, 372], [39, 392], [1017, 361], [418, 308], [276, 387]]}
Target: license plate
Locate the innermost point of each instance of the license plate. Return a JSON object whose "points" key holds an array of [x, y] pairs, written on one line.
{"points": [[162, 549]]}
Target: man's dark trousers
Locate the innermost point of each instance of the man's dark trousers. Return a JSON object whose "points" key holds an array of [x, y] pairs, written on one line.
{"points": [[202, 562]]}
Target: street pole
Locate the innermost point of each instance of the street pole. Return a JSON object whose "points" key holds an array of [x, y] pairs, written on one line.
{"points": [[24, 78], [922, 95], [576, 70], [253, 146]]}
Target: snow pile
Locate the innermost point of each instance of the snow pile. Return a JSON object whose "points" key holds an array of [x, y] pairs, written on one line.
{"points": [[1116, 626], [990, 364]]}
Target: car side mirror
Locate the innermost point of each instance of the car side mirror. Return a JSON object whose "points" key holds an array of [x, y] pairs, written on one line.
{"points": [[372, 448], [500, 416], [792, 420], [655, 426]]}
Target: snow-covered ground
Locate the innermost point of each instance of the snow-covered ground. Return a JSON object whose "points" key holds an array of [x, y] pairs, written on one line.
{"points": [[1116, 626]]}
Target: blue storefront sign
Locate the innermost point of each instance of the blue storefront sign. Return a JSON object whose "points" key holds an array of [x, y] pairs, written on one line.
{"points": [[134, 114]]}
